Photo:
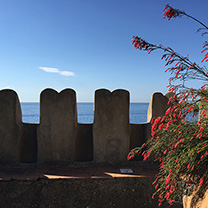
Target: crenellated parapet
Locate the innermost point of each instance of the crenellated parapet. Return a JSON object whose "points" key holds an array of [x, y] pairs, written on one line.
{"points": [[59, 138]]}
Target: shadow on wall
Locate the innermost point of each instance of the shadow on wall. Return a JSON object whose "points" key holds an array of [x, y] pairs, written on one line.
{"points": [[59, 138]]}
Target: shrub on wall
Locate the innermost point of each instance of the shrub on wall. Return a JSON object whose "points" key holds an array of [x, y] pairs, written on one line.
{"points": [[179, 140]]}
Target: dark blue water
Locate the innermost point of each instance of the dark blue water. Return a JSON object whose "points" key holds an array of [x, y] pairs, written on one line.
{"points": [[137, 112]]}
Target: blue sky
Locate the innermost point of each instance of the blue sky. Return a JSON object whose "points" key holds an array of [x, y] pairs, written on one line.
{"points": [[86, 45]]}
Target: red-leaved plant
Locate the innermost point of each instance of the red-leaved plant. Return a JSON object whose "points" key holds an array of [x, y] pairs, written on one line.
{"points": [[179, 140]]}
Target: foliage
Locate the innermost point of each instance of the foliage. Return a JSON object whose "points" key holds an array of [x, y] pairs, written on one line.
{"points": [[179, 139]]}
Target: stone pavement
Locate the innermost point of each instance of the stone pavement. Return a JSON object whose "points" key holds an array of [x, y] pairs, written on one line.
{"points": [[35, 173]]}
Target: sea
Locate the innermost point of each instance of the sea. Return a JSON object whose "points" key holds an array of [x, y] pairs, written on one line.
{"points": [[85, 111]]}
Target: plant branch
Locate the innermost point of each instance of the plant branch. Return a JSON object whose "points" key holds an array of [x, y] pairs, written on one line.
{"points": [[195, 20]]}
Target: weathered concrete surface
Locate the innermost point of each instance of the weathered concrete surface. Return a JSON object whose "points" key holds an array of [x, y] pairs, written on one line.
{"points": [[10, 124], [27, 147], [60, 139], [140, 133], [58, 123], [79, 193], [84, 143], [111, 128], [190, 201], [169, 95], [157, 106]]}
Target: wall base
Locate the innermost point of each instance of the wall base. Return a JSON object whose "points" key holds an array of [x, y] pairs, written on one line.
{"points": [[101, 187]]}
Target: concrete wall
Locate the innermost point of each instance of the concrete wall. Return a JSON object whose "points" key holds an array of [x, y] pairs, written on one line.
{"points": [[111, 128], [157, 106], [80, 193], [56, 133], [84, 143], [10, 125], [59, 138], [27, 145]]}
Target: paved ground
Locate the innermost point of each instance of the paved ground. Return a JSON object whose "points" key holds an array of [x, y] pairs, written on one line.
{"points": [[34, 173]]}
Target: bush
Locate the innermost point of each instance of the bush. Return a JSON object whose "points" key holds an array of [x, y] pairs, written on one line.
{"points": [[179, 140]]}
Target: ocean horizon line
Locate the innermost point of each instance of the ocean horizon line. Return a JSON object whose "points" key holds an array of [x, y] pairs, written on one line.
{"points": [[85, 112], [86, 102]]}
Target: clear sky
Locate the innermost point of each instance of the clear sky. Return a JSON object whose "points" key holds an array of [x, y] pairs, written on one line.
{"points": [[86, 45]]}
